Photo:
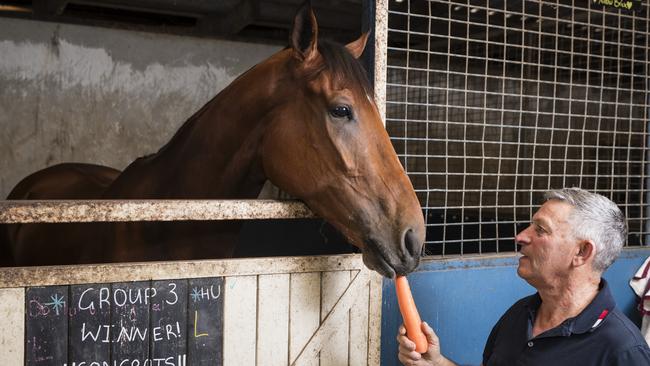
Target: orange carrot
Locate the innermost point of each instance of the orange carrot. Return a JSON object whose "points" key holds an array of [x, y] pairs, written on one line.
{"points": [[410, 314]]}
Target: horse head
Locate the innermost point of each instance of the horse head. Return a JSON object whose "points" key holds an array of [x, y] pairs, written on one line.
{"points": [[305, 119], [344, 166]]}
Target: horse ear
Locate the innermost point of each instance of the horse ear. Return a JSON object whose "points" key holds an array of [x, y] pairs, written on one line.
{"points": [[305, 33], [356, 48]]}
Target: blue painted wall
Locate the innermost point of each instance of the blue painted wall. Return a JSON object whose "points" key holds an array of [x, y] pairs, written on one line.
{"points": [[463, 298]]}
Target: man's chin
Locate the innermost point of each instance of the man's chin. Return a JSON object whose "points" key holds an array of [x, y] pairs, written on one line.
{"points": [[521, 272], [523, 262]]}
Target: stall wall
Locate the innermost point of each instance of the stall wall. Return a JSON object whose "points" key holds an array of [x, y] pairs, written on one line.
{"points": [[244, 312], [98, 95], [463, 298]]}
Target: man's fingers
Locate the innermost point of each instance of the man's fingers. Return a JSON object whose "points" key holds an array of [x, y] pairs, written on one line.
{"points": [[405, 343], [408, 357]]}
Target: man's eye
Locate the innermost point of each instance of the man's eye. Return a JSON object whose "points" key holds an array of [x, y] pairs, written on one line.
{"points": [[341, 111]]}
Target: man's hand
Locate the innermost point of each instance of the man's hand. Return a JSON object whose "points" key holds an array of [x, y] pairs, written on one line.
{"points": [[409, 357]]}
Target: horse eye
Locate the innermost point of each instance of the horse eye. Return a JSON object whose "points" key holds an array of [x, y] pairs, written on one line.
{"points": [[341, 111]]}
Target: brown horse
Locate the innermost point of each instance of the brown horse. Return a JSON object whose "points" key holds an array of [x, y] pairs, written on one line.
{"points": [[304, 119]]}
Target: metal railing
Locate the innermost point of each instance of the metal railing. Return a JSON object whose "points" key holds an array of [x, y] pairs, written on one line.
{"points": [[489, 104]]}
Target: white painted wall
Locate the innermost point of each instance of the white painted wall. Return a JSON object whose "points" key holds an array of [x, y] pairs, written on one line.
{"points": [[96, 95]]}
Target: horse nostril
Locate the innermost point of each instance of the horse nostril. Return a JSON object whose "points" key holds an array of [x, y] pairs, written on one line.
{"points": [[411, 243]]}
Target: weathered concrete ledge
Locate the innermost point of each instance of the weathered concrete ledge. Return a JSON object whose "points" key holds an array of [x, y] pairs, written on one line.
{"points": [[16, 277], [58, 211]]}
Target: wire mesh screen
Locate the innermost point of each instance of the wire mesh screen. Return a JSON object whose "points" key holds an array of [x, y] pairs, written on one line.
{"points": [[490, 103]]}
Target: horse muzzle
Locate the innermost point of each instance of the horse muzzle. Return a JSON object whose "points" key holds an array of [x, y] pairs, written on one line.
{"points": [[390, 260]]}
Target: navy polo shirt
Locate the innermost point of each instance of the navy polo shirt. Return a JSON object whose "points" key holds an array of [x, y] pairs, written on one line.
{"points": [[599, 335]]}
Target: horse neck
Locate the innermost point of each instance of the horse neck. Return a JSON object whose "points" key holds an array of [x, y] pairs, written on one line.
{"points": [[215, 153]]}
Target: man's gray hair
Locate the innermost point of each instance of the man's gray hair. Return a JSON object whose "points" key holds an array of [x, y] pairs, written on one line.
{"points": [[595, 218]]}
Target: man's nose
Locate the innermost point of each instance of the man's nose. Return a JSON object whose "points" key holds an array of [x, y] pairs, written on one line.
{"points": [[522, 238]]}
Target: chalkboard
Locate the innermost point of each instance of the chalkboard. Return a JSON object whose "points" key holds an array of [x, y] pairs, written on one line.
{"points": [[89, 336], [130, 327], [205, 311], [46, 326], [171, 322]]}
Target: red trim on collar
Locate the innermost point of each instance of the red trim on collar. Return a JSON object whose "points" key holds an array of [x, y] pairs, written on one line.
{"points": [[600, 318]]}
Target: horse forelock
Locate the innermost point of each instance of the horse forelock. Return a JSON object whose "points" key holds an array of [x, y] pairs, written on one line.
{"points": [[342, 68]]}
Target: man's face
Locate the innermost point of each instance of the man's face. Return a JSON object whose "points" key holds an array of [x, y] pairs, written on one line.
{"points": [[547, 245]]}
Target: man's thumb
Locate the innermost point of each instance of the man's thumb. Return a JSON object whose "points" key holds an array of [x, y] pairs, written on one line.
{"points": [[428, 331]]}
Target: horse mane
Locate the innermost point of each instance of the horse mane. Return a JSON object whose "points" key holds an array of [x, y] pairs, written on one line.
{"points": [[343, 66], [336, 59]]}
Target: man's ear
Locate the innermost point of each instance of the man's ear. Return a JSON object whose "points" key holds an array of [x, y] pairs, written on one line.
{"points": [[585, 253]]}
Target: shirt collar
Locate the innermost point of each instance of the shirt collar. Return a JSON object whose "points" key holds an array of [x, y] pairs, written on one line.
{"points": [[588, 320], [598, 309]]}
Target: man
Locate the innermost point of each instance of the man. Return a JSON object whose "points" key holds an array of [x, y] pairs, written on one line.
{"points": [[572, 319]]}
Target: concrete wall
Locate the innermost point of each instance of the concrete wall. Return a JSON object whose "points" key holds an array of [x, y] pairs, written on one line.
{"points": [[97, 95]]}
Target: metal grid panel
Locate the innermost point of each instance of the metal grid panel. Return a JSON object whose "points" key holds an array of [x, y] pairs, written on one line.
{"points": [[490, 103]]}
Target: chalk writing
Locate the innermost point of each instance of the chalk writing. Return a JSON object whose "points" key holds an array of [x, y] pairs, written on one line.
{"points": [[37, 308], [46, 329], [196, 320], [125, 324], [177, 360], [102, 333], [122, 297], [203, 293], [57, 303], [620, 4], [206, 321]]}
